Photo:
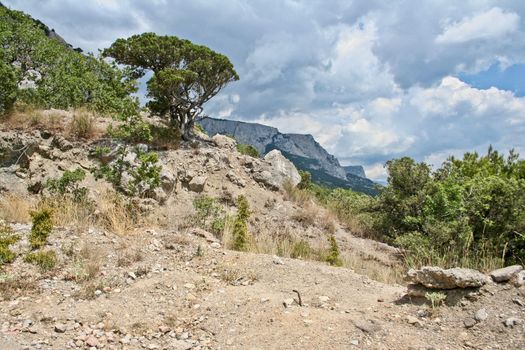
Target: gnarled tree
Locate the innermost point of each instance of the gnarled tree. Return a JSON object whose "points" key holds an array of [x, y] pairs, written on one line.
{"points": [[185, 75]]}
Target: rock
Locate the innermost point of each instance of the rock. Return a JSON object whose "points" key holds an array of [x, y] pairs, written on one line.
{"points": [[288, 302], [469, 322], [197, 183], [167, 181], [283, 167], [519, 279], [436, 277], [61, 143], [236, 180], [277, 260], [512, 321], [210, 238], [414, 321], [324, 299], [481, 315], [60, 328], [505, 274], [518, 302], [368, 326], [180, 345], [215, 245], [222, 141], [354, 342], [91, 341]]}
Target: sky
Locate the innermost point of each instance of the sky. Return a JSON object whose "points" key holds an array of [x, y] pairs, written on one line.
{"points": [[371, 80]]}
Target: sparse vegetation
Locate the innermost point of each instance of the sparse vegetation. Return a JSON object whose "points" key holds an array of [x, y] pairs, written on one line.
{"points": [[68, 185], [41, 228], [209, 214], [240, 225], [46, 260], [7, 238], [436, 299], [333, 256], [247, 150], [82, 125]]}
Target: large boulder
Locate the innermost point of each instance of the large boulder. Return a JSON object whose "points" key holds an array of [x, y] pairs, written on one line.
{"points": [[505, 274], [222, 141], [436, 277], [197, 183], [276, 171]]}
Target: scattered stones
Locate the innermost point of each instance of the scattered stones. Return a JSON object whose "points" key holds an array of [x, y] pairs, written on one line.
{"points": [[436, 277], [92, 341], [481, 315], [512, 321], [469, 322], [505, 274], [277, 260]]}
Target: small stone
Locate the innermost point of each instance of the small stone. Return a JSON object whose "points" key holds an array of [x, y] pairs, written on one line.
{"points": [[215, 245], [368, 326], [481, 315], [469, 322], [189, 286], [277, 260], [60, 328], [518, 302], [288, 302], [98, 292], [414, 321], [132, 275], [354, 342], [324, 299], [164, 329], [512, 321], [92, 341], [422, 313]]}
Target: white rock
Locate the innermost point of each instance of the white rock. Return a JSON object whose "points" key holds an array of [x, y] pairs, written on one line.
{"points": [[506, 273]]}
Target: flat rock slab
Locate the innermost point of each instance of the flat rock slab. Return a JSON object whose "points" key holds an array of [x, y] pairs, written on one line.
{"points": [[436, 277], [505, 274]]}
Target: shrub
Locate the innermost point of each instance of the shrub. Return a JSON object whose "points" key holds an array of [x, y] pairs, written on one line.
{"points": [[248, 150], [165, 137], [301, 249], [46, 260], [209, 214], [41, 229], [436, 299], [333, 256], [82, 124], [133, 129], [68, 185], [6, 239], [306, 180], [240, 226]]}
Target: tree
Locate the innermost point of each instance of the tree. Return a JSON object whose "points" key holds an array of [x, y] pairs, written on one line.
{"points": [[185, 75]]}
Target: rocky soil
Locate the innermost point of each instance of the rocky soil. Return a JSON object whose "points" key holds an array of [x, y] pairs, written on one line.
{"points": [[168, 285]]}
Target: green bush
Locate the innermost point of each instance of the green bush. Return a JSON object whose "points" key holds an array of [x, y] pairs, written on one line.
{"points": [[209, 214], [6, 239], [133, 129], [8, 85], [306, 180], [46, 260], [41, 228], [240, 225], [247, 150], [333, 256], [301, 249], [68, 185]]}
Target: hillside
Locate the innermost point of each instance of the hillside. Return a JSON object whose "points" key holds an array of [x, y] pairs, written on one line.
{"points": [[163, 282], [306, 153]]}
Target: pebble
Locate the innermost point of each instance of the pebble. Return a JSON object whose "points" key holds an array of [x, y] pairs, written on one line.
{"points": [[60, 328], [91, 341], [481, 315], [277, 260], [288, 302], [512, 321], [324, 299], [215, 245], [469, 322]]}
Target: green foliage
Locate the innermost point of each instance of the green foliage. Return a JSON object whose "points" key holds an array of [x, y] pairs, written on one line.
{"points": [[68, 185], [41, 228], [248, 150], [209, 214], [470, 212], [240, 225], [46, 260], [133, 129], [306, 180], [185, 75], [301, 249], [333, 256], [436, 299], [63, 78], [144, 173], [6, 239], [8, 85], [199, 128]]}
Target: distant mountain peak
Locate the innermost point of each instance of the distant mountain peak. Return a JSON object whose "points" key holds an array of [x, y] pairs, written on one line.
{"points": [[302, 149]]}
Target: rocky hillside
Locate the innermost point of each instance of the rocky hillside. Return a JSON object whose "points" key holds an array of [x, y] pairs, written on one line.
{"points": [[302, 150], [161, 279]]}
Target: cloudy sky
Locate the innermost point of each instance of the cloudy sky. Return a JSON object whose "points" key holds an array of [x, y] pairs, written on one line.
{"points": [[371, 80]]}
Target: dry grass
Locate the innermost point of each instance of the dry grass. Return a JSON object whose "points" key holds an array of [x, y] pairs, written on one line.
{"points": [[15, 208], [14, 286], [68, 212], [116, 215], [373, 269], [85, 264], [128, 257], [26, 117], [294, 194], [82, 125]]}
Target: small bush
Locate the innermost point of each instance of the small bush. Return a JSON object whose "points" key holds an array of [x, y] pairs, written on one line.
{"points": [[209, 214], [306, 180], [68, 185], [165, 137], [333, 256], [46, 260], [301, 249], [240, 226], [248, 150], [6, 239], [436, 299], [82, 124], [134, 130], [41, 229]]}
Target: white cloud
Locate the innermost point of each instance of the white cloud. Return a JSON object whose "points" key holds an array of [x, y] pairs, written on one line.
{"points": [[491, 24]]}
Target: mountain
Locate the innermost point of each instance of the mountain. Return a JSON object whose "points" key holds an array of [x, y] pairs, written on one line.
{"points": [[306, 153]]}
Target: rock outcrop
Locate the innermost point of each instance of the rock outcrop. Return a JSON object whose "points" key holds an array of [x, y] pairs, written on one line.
{"points": [[436, 277], [275, 171]]}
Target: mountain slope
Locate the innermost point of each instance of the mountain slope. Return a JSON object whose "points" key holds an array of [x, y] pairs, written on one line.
{"points": [[306, 153]]}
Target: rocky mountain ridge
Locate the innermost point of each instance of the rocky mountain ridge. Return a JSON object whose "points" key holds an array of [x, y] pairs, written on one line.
{"points": [[302, 149]]}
